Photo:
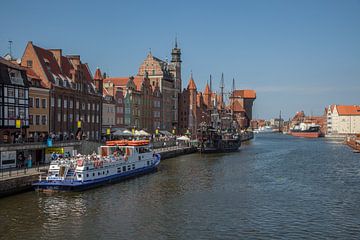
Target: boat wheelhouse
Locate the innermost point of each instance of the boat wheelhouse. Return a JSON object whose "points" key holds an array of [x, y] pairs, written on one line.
{"points": [[116, 161]]}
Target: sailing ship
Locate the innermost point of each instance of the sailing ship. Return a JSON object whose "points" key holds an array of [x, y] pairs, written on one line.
{"points": [[116, 161], [223, 134]]}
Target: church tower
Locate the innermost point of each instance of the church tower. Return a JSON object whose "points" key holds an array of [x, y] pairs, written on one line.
{"points": [[175, 70], [176, 65]]}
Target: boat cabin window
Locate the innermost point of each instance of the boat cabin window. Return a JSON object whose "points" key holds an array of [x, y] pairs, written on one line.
{"points": [[133, 166], [87, 175], [129, 167], [124, 168], [148, 163], [79, 175]]}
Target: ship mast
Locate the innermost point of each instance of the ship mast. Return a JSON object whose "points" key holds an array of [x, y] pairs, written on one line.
{"points": [[233, 99]]}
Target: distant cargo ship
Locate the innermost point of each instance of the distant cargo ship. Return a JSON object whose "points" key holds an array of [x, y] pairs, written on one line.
{"points": [[306, 131]]}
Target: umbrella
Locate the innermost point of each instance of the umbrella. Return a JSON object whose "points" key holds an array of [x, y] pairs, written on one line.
{"points": [[183, 138], [143, 133], [122, 133]]}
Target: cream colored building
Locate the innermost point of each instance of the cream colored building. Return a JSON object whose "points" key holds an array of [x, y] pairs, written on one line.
{"points": [[343, 119]]}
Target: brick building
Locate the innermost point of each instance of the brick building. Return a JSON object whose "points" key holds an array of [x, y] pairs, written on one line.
{"points": [[168, 77], [241, 102], [141, 101], [75, 103]]}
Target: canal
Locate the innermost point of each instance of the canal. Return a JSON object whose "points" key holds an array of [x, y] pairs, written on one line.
{"points": [[276, 187]]}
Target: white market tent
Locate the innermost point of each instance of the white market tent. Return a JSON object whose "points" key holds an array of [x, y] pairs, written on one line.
{"points": [[183, 138]]}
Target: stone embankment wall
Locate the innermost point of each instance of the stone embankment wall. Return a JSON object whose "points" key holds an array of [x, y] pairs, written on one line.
{"points": [[17, 184]]}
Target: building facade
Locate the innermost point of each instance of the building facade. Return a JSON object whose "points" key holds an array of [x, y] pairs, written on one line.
{"points": [[75, 103], [168, 77], [38, 108], [342, 119], [14, 105]]}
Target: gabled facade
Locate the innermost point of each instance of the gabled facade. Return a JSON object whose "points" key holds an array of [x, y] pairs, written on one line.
{"points": [[168, 77], [75, 103], [14, 106]]}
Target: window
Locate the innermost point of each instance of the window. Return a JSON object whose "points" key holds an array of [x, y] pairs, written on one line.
{"points": [[59, 102], [52, 102], [65, 117], [77, 104], [124, 168], [43, 120], [71, 104], [37, 102], [87, 175], [59, 117], [11, 111], [29, 63], [21, 93], [31, 119], [37, 120], [11, 92], [65, 103], [31, 102], [43, 103]]}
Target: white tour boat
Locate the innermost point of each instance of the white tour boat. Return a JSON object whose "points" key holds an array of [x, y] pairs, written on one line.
{"points": [[116, 161]]}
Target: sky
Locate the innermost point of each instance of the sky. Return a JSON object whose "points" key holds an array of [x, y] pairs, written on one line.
{"points": [[297, 55]]}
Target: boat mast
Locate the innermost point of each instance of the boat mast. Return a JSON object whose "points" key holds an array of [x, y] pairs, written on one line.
{"points": [[222, 98]]}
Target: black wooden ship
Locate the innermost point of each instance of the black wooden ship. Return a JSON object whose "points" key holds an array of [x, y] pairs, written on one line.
{"points": [[222, 134]]}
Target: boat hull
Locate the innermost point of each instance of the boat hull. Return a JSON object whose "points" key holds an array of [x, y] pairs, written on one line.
{"points": [[55, 186], [306, 134]]}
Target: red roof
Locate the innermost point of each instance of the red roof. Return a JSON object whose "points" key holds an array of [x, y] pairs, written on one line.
{"points": [[207, 89], [47, 59], [348, 110], [245, 93], [87, 72], [191, 85], [117, 81]]}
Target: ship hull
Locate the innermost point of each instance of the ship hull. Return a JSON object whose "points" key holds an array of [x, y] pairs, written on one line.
{"points": [[222, 147], [306, 134], [55, 186]]}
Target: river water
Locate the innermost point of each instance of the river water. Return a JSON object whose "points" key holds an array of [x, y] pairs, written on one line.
{"points": [[275, 187]]}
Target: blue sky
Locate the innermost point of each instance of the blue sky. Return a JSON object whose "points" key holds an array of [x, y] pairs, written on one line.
{"points": [[297, 55]]}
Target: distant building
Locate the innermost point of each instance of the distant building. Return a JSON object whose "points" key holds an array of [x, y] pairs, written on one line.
{"points": [[241, 102], [141, 101], [342, 119], [75, 103], [14, 105]]}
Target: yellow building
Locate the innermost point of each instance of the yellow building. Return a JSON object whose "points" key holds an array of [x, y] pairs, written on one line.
{"points": [[38, 109]]}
